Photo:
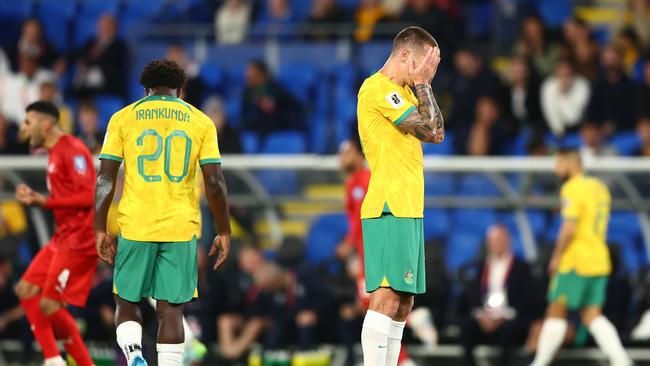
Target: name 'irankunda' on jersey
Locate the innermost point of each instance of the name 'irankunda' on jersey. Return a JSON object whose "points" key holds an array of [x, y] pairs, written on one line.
{"points": [[161, 140]]}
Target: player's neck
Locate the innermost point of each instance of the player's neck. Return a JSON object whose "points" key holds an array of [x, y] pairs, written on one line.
{"points": [[575, 173], [168, 92], [52, 138], [391, 71]]}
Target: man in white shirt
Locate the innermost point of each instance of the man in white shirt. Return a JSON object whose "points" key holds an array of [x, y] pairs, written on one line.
{"points": [[564, 98], [18, 90]]}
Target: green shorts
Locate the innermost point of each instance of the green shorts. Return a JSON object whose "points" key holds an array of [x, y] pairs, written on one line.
{"points": [[577, 291], [393, 250], [164, 271]]}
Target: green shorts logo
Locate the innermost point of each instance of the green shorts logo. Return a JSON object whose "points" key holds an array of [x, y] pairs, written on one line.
{"points": [[408, 277]]}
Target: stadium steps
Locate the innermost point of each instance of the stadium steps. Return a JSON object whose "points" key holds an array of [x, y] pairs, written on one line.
{"points": [[325, 191], [300, 208]]}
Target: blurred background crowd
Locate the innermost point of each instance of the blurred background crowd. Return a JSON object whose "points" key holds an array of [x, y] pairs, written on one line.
{"points": [[518, 78]]}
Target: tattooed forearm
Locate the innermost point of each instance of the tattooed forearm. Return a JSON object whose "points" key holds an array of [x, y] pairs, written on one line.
{"points": [[426, 123]]}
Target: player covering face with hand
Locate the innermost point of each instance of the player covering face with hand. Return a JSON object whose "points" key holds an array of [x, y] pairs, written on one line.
{"points": [[393, 121], [162, 141]]}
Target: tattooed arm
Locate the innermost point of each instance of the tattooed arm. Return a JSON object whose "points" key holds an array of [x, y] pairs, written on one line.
{"points": [[426, 123]]}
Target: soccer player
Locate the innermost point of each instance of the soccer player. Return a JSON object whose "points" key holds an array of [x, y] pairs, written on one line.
{"points": [[62, 271], [393, 121], [161, 140], [580, 264]]}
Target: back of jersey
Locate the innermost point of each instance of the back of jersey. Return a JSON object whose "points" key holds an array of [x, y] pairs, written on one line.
{"points": [[162, 140]]}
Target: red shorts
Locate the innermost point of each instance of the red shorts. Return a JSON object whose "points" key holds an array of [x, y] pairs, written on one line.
{"points": [[62, 275]]}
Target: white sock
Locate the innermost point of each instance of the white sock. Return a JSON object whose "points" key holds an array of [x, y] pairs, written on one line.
{"points": [[54, 361], [394, 342], [129, 338], [170, 354], [608, 341], [374, 338], [550, 339]]}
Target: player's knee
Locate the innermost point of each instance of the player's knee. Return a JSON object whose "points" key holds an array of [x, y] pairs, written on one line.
{"points": [[385, 304], [556, 310], [166, 311], [588, 315], [49, 306], [306, 318], [405, 307]]}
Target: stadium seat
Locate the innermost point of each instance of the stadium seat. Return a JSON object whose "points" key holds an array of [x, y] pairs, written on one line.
{"points": [[325, 233], [250, 142], [625, 222], [626, 143], [84, 30], [212, 76], [299, 79], [436, 223], [348, 4], [571, 140], [233, 111], [55, 17], [285, 142], [16, 9], [439, 184], [477, 185], [462, 248], [554, 12], [107, 105], [473, 220], [446, 148], [300, 9], [279, 182], [95, 8], [632, 255], [553, 229], [318, 134]]}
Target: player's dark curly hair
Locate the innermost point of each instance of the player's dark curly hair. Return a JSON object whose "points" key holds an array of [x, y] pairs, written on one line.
{"points": [[163, 73]]}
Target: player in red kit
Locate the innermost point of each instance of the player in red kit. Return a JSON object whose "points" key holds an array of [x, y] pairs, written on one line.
{"points": [[62, 271], [353, 164]]}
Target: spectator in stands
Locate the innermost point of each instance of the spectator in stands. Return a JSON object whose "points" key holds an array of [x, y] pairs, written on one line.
{"points": [[229, 140], [278, 19], [194, 87], [643, 131], [580, 47], [102, 62], [643, 92], [628, 42], [267, 106], [534, 45], [489, 134], [32, 44], [523, 98], [564, 97], [369, 13], [496, 304], [50, 93], [324, 16], [298, 297], [89, 131], [593, 140], [232, 21], [5, 65], [9, 144], [472, 81], [22, 88], [612, 101], [244, 311]]}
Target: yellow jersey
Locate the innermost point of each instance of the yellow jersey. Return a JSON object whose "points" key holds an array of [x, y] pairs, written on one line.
{"points": [[587, 201], [394, 156], [162, 141]]}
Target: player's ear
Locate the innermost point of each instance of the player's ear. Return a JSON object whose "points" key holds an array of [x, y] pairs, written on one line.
{"points": [[405, 55]]}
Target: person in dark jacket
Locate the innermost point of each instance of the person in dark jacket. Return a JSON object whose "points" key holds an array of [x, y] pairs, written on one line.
{"points": [[496, 306]]}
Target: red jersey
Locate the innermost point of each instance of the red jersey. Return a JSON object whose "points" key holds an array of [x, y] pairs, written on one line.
{"points": [[356, 187], [71, 182]]}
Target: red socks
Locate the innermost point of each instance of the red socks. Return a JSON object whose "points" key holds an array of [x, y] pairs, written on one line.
{"points": [[403, 355], [66, 329], [41, 327]]}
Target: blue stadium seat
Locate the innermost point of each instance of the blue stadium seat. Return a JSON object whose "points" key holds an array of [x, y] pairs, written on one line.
{"points": [[473, 220], [462, 248], [325, 233], [318, 134], [345, 116], [84, 30], [107, 105], [250, 142], [212, 76], [624, 223], [439, 184], [55, 17], [571, 140], [554, 12], [436, 223], [348, 4], [16, 9], [344, 76], [285, 142], [136, 91], [477, 185], [553, 229], [626, 143], [632, 255], [300, 9], [279, 182], [446, 148], [536, 219], [299, 79], [95, 8], [233, 111]]}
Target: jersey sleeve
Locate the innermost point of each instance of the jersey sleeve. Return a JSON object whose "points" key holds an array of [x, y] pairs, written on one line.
{"points": [[113, 148], [209, 150], [393, 105], [570, 202]]}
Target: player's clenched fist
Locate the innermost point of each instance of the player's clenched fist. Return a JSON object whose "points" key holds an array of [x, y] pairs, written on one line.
{"points": [[105, 247], [221, 244], [423, 71]]}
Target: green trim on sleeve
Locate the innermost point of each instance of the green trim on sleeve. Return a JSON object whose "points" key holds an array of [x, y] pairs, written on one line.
{"points": [[406, 113], [210, 161], [111, 157]]}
